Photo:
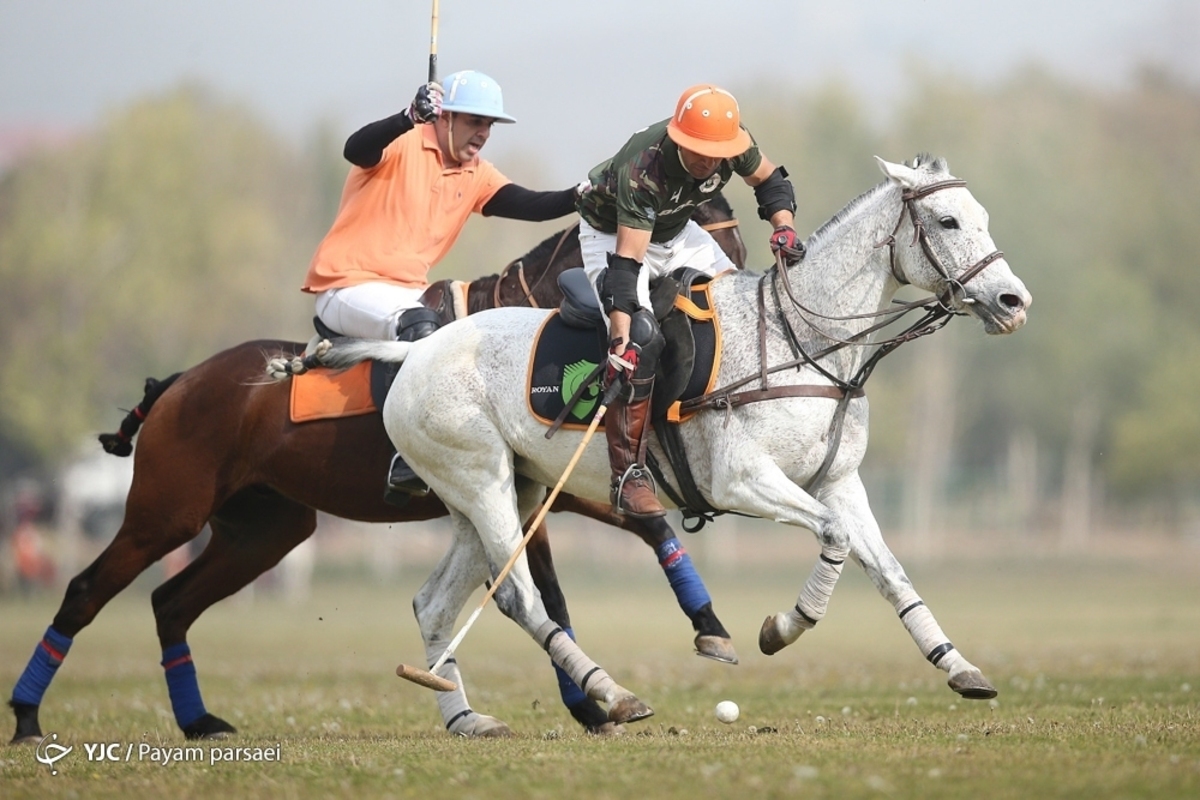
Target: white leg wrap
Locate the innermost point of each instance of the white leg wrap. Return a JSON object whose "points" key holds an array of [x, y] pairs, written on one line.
{"points": [[928, 635], [814, 597], [586, 673], [456, 711]]}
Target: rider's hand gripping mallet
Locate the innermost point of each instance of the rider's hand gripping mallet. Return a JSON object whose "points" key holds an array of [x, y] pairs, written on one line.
{"points": [[429, 678]]}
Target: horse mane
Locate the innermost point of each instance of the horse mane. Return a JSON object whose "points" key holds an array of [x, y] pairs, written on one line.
{"points": [[825, 232], [930, 163]]}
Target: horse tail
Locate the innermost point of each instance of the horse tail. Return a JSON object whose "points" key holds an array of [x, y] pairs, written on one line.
{"points": [[121, 442], [348, 352]]}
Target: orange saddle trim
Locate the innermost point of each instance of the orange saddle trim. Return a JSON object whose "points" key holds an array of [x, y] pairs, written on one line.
{"points": [[330, 394]]}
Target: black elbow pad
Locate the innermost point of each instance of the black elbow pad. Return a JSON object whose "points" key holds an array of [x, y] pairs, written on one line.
{"points": [[618, 287], [775, 194]]}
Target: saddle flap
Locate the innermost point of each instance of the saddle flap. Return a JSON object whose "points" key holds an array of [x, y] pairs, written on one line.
{"points": [[443, 297], [331, 394]]}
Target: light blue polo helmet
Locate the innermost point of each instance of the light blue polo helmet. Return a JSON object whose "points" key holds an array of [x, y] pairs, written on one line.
{"points": [[471, 92]]}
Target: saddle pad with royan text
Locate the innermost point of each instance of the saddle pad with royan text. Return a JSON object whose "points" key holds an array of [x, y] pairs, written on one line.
{"points": [[330, 394], [563, 357]]}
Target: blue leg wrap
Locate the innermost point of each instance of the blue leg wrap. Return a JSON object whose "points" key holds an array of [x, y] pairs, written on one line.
{"points": [[182, 685], [572, 695], [45, 661], [685, 581]]}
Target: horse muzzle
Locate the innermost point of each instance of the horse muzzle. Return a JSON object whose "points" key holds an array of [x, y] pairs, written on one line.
{"points": [[1002, 311]]}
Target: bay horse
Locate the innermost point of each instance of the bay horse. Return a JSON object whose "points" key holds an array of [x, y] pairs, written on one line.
{"points": [[804, 352], [216, 447]]}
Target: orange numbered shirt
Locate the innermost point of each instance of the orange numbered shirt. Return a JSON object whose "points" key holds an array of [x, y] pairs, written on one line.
{"points": [[400, 217]]}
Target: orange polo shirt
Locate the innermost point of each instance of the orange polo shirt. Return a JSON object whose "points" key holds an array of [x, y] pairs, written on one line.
{"points": [[400, 217]]}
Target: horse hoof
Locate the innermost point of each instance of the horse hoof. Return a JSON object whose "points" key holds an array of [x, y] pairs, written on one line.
{"points": [[628, 709], [498, 731], [28, 730], [209, 727], [972, 685], [769, 640], [718, 648], [590, 715], [481, 726], [607, 729]]}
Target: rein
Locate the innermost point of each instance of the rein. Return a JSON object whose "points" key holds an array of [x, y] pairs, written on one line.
{"points": [[719, 226], [938, 313]]}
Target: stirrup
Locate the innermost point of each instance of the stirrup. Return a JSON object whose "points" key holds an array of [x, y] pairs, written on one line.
{"points": [[403, 482], [634, 472]]}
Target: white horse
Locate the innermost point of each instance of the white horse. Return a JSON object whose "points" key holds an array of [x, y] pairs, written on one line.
{"points": [[458, 413]]}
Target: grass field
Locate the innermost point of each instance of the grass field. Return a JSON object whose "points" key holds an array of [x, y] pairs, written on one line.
{"points": [[1097, 662]]}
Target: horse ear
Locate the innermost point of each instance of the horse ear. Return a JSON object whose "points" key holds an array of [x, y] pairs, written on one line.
{"points": [[905, 176]]}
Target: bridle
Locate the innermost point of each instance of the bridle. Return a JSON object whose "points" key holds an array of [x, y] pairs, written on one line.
{"points": [[941, 305], [525, 287], [954, 286]]}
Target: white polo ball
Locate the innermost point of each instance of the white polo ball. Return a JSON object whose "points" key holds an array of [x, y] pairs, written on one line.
{"points": [[727, 711]]}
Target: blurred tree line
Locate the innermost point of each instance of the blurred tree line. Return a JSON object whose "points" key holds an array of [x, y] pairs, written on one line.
{"points": [[182, 225]]}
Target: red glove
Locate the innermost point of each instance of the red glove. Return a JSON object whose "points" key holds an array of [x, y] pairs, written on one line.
{"points": [[784, 240], [620, 366]]}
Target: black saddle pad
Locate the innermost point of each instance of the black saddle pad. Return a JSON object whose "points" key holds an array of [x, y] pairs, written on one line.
{"points": [[563, 358]]}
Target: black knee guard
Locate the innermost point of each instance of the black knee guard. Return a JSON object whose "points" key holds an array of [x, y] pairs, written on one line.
{"points": [[644, 332], [416, 323]]}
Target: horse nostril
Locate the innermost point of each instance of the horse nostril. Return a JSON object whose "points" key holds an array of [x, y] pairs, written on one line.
{"points": [[1012, 302]]}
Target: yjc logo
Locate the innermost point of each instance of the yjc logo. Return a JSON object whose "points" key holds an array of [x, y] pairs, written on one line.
{"points": [[103, 751], [49, 752]]}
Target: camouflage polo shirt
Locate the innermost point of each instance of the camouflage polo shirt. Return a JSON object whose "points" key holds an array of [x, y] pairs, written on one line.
{"points": [[645, 186]]}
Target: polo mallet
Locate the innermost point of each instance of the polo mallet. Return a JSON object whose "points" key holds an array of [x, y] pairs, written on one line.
{"points": [[428, 678], [433, 44]]}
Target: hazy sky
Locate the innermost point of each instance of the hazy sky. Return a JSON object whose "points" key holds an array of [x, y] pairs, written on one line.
{"points": [[578, 76]]}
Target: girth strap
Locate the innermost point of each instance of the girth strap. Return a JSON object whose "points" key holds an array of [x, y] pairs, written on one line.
{"points": [[687, 497]]}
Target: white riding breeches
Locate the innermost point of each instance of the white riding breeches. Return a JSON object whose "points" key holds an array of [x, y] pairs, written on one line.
{"points": [[692, 247], [368, 310]]}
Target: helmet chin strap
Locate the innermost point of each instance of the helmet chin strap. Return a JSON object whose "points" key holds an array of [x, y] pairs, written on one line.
{"points": [[453, 154]]}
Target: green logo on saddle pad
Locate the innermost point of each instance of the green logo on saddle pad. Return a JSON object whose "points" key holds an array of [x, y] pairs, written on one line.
{"points": [[574, 375]]}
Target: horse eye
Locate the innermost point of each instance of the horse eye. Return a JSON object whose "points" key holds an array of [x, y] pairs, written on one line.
{"points": [[949, 223]]}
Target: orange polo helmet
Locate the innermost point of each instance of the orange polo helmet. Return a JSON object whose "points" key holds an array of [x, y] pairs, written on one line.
{"points": [[707, 121]]}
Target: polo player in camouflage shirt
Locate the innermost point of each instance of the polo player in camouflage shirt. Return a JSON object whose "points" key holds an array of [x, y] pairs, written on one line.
{"points": [[636, 226]]}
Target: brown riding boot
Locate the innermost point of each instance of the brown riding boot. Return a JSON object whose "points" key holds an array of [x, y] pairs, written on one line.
{"points": [[625, 426]]}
